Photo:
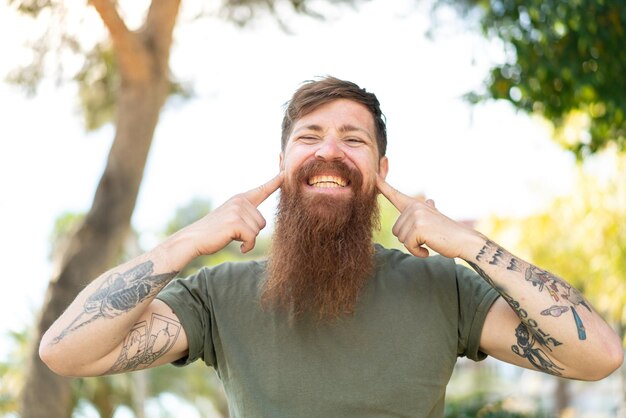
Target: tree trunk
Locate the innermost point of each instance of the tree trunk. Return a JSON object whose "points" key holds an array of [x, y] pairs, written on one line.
{"points": [[102, 398], [140, 392], [95, 245], [562, 397]]}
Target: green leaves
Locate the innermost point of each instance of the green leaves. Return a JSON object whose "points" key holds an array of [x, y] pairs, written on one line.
{"points": [[565, 56], [30, 7], [98, 81]]}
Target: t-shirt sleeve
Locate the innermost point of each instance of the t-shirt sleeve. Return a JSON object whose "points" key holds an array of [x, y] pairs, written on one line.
{"points": [[475, 299], [191, 302]]}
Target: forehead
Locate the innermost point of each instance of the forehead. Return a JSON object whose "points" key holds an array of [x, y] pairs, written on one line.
{"points": [[338, 114]]}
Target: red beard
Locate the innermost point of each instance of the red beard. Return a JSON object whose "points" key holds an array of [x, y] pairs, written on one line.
{"points": [[322, 252]]}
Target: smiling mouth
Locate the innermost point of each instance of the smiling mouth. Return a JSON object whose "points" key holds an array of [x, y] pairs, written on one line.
{"points": [[327, 182]]}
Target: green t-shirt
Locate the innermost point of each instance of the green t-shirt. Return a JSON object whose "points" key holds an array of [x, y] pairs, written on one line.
{"points": [[392, 358]]}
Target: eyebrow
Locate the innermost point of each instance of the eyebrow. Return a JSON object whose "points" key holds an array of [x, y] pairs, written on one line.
{"points": [[343, 129]]}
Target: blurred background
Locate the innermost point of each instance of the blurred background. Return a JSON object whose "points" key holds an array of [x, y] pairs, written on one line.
{"points": [[123, 121]]}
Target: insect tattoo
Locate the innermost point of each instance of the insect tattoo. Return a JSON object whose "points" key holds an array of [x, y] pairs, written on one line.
{"points": [[119, 293]]}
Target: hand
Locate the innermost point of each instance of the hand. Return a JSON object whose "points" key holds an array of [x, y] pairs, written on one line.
{"points": [[238, 219], [420, 224]]}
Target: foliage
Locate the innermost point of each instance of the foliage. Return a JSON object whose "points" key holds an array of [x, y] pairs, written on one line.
{"points": [[196, 383], [580, 236], [12, 376], [98, 81], [563, 58], [388, 216], [479, 405], [64, 224]]}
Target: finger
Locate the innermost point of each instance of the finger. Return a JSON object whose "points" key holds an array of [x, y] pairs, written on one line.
{"points": [[404, 231], [251, 215], [257, 195], [397, 198], [419, 251], [247, 246], [247, 235], [396, 228]]}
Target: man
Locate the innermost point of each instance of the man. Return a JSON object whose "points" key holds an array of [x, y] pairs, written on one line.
{"points": [[331, 325]]}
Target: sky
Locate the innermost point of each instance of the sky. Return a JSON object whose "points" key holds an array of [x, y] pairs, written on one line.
{"points": [[474, 161]]}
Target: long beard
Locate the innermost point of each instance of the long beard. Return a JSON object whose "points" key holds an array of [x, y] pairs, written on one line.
{"points": [[322, 253]]}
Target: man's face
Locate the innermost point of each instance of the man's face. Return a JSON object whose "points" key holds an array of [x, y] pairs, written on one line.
{"points": [[339, 131], [322, 253]]}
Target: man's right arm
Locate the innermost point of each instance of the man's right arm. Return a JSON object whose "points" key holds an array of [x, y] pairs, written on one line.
{"points": [[116, 312], [115, 324]]}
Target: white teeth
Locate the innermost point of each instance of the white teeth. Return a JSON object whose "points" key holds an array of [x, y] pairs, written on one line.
{"points": [[327, 181]]}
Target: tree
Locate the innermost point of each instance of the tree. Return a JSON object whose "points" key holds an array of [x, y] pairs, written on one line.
{"points": [[564, 59], [142, 58], [125, 75]]}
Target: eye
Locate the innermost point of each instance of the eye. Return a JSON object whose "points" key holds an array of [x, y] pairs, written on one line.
{"points": [[353, 142], [308, 139]]}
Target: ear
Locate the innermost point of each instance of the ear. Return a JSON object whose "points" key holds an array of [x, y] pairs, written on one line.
{"points": [[383, 167], [281, 166]]}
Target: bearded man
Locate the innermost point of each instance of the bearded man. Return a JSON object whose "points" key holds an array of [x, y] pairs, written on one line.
{"points": [[331, 325]]}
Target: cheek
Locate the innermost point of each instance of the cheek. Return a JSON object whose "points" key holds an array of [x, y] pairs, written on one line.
{"points": [[291, 166], [369, 171], [293, 158]]}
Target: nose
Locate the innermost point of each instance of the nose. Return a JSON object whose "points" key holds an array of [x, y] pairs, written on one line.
{"points": [[329, 150]]}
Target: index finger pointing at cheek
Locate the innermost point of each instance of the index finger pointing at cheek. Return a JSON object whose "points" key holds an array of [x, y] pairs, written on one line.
{"points": [[397, 198], [257, 195]]}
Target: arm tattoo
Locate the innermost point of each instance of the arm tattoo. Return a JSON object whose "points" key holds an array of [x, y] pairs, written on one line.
{"points": [[119, 293], [146, 343], [498, 256], [526, 348], [532, 341], [559, 290], [539, 335]]}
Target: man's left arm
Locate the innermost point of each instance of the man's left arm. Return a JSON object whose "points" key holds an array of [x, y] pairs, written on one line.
{"points": [[541, 322]]}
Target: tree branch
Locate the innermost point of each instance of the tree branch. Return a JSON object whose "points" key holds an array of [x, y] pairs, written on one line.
{"points": [[160, 24], [131, 53]]}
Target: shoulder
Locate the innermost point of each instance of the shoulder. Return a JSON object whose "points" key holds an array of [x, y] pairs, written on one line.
{"points": [[250, 270], [215, 280], [407, 273], [401, 263]]}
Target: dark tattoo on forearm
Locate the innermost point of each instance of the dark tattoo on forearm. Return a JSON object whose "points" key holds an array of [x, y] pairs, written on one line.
{"points": [[536, 356], [497, 256], [558, 289], [118, 294], [146, 343]]}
